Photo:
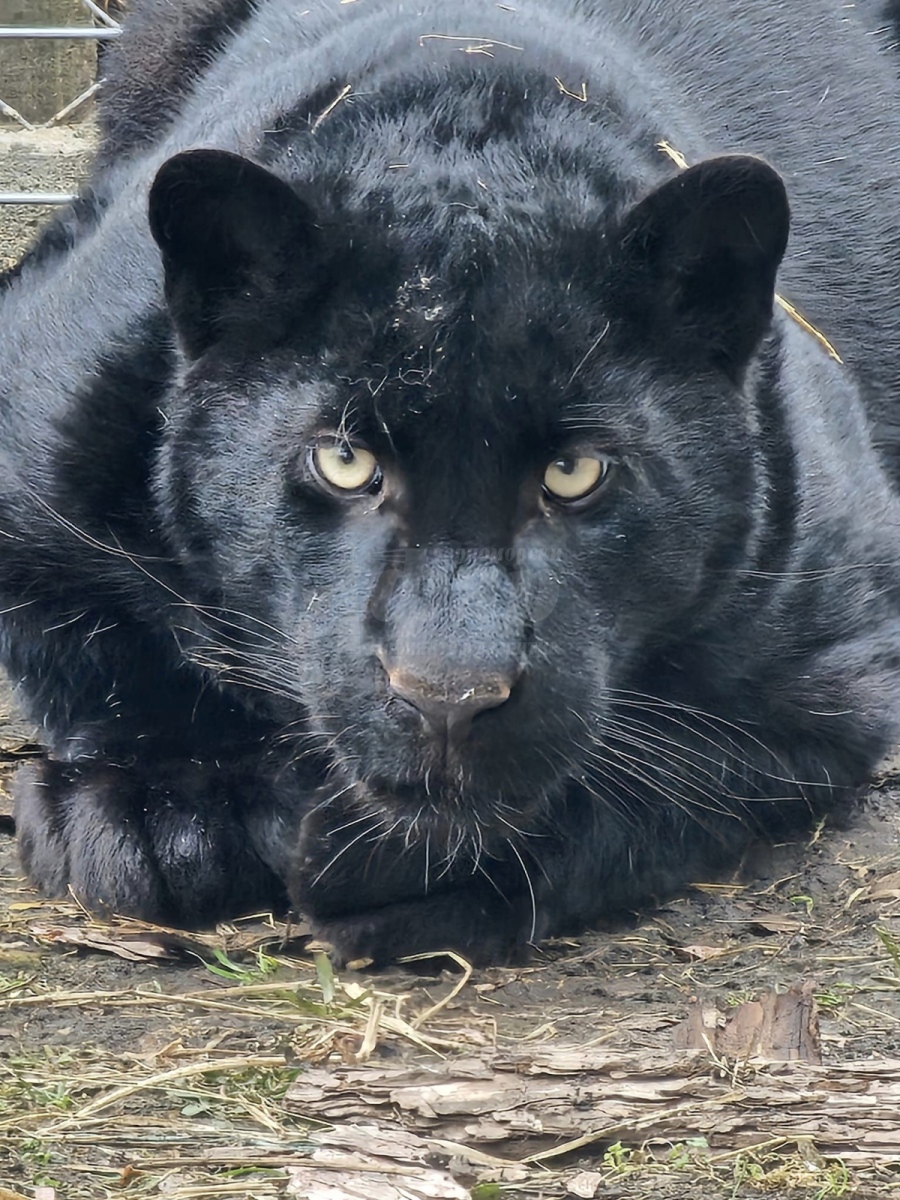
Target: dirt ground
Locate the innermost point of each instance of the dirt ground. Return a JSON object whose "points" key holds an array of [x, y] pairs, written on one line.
{"points": [[743, 1040], [46, 160]]}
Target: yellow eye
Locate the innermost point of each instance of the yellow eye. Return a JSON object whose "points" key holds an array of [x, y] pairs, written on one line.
{"points": [[573, 477], [344, 467]]}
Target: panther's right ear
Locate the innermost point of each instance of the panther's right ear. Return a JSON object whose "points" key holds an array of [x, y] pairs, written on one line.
{"points": [[239, 248], [698, 258]]}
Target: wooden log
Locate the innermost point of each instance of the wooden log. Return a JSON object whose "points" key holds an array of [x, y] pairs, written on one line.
{"points": [[535, 1108], [718, 1085], [39, 76]]}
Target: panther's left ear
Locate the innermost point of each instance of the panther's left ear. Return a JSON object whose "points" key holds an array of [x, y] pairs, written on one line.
{"points": [[240, 248], [699, 256]]}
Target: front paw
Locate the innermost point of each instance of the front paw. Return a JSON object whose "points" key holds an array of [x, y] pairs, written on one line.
{"points": [[165, 847], [480, 927], [78, 828], [372, 899]]}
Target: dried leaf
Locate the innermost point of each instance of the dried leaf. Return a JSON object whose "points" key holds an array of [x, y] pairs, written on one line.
{"points": [[134, 947], [772, 923], [699, 953], [586, 1185], [17, 740], [885, 888]]}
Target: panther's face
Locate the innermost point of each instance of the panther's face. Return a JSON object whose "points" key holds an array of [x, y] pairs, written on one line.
{"points": [[444, 511]]}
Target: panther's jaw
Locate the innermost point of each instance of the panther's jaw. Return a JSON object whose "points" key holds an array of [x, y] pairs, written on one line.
{"points": [[454, 809]]}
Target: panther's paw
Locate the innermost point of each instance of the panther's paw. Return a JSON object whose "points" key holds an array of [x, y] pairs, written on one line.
{"points": [[472, 925], [164, 846]]}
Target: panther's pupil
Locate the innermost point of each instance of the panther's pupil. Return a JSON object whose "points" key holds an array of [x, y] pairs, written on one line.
{"points": [[345, 453]]}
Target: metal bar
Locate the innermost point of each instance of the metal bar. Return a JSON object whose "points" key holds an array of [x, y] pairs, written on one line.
{"points": [[36, 198], [13, 113], [72, 105], [102, 16], [60, 31]]}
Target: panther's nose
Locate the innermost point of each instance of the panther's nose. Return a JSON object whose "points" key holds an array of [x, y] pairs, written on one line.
{"points": [[449, 705]]}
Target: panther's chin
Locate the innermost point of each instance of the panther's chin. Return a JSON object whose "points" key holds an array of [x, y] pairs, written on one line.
{"points": [[450, 806]]}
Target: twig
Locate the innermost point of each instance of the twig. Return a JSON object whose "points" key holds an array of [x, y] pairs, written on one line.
{"points": [[329, 108], [466, 969]]}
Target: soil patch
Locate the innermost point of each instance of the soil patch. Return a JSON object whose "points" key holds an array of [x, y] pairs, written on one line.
{"points": [[40, 160]]}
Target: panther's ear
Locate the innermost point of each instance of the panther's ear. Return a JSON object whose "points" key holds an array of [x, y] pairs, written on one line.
{"points": [[700, 257], [239, 248]]}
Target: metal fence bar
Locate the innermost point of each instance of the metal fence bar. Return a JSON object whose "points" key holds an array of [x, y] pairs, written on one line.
{"points": [[102, 16], [73, 104], [13, 113], [36, 198], [58, 31]]}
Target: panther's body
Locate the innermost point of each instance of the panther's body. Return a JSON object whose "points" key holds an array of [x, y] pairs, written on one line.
{"points": [[616, 585]]}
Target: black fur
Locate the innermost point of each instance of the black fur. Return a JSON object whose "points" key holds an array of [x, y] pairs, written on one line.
{"points": [[170, 43], [447, 709]]}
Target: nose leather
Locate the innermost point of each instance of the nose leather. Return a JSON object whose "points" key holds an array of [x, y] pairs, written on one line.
{"points": [[449, 705]]}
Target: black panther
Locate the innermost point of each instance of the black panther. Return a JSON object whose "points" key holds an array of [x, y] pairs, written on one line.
{"points": [[418, 503]]}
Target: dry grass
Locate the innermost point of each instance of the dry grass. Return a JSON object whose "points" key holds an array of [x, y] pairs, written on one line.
{"points": [[177, 1080], [187, 1113]]}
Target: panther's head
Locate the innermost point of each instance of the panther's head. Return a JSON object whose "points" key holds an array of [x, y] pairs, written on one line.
{"points": [[445, 486]]}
